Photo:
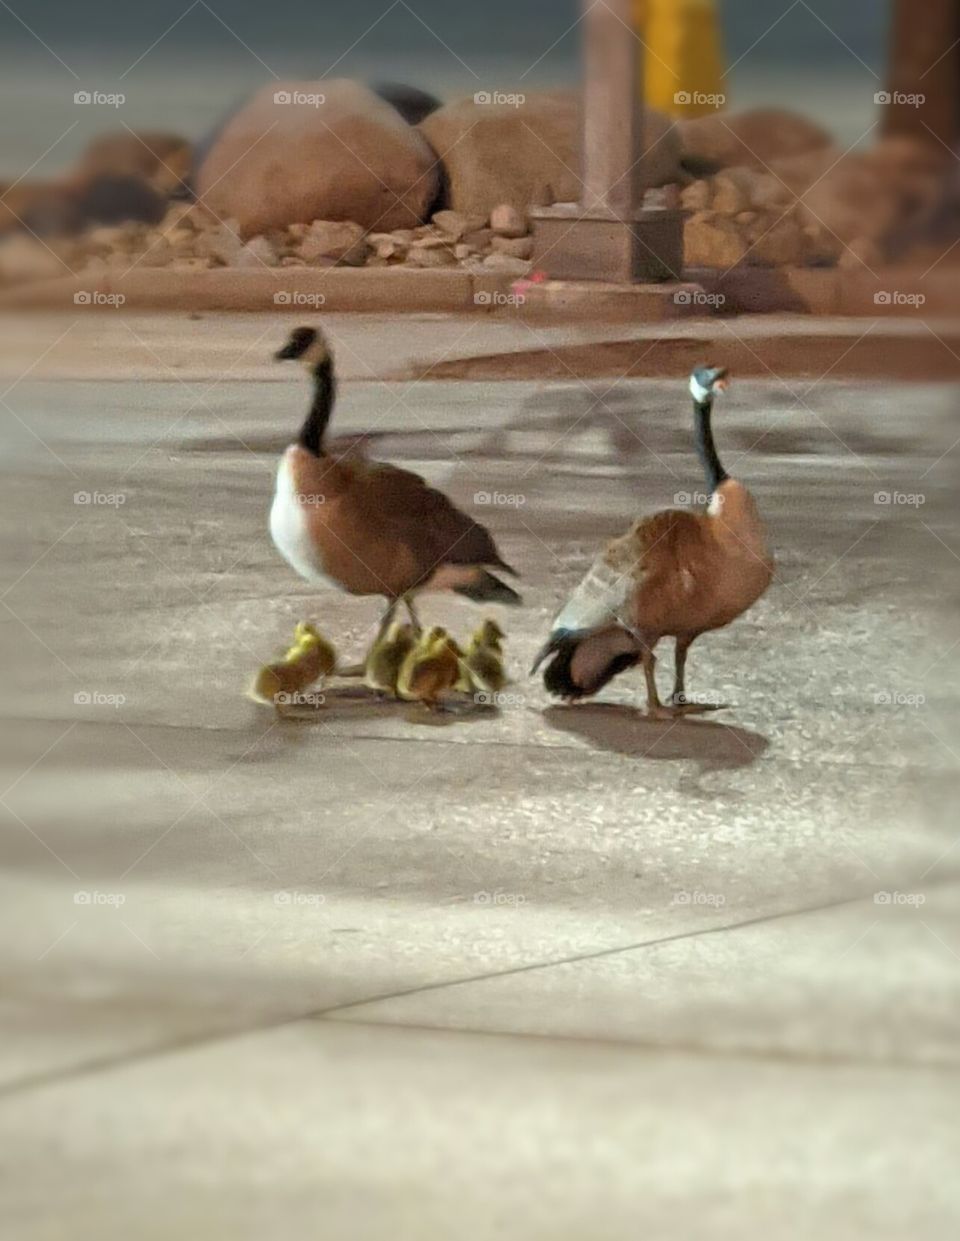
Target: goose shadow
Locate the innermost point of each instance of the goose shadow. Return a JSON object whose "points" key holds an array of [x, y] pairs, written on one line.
{"points": [[620, 729]]}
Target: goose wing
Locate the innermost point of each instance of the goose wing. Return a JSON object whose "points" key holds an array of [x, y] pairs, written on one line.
{"points": [[606, 596], [428, 522]]}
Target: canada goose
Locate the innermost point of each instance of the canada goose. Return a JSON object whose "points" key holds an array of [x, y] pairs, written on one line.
{"points": [[483, 661], [675, 574], [310, 658], [385, 658], [432, 668], [370, 528]]}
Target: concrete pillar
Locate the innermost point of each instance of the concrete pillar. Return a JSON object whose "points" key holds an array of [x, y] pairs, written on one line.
{"points": [[612, 108], [609, 234]]}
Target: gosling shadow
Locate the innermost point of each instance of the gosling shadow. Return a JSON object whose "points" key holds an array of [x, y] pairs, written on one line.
{"points": [[620, 729], [354, 702]]}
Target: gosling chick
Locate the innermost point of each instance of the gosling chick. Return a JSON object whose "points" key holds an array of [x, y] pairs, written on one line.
{"points": [[430, 669], [483, 661], [381, 670], [310, 658]]}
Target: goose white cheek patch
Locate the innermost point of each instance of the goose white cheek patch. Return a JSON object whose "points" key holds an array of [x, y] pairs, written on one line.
{"points": [[697, 391]]}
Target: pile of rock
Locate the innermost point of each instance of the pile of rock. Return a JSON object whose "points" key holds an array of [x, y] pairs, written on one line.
{"points": [[818, 208], [315, 174], [190, 238]]}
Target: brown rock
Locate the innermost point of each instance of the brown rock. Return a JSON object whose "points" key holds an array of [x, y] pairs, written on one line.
{"points": [[109, 198], [821, 248], [429, 241], [698, 196], [508, 221], [852, 200], [480, 239], [861, 253], [507, 264], [516, 247], [712, 241], [529, 154], [780, 244], [352, 157], [430, 257], [386, 246], [342, 240], [258, 252], [161, 159], [729, 196], [219, 244], [455, 224], [757, 137]]}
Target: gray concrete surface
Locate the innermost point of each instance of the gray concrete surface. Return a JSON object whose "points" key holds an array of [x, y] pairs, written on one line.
{"points": [[549, 972]]}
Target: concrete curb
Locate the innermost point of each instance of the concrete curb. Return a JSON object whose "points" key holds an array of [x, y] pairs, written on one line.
{"points": [[403, 290]]}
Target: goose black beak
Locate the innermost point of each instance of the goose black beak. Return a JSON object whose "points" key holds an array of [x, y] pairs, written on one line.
{"points": [[289, 350]]}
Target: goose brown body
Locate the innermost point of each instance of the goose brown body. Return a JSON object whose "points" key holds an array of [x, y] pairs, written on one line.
{"points": [[379, 530], [674, 574], [367, 527]]}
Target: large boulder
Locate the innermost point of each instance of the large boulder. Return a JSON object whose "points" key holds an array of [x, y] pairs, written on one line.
{"points": [[324, 150], [756, 137], [528, 154]]}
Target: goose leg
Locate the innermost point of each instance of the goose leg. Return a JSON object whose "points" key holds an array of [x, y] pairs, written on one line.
{"points": [[414, 618], [357, 670], [678, 697], [655, 709]]}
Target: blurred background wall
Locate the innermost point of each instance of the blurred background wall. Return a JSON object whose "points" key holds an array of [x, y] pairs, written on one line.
{"points": [[181, 65]]}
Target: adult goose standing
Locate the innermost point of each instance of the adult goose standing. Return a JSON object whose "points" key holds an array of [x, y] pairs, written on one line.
{"points": [[370, 528], [674, 574]]}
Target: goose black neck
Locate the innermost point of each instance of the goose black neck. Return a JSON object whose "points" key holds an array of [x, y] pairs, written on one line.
{"points": [[321, 407], [706, 450]]}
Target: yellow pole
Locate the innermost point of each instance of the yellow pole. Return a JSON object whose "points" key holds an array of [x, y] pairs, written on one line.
{"points": [[683, 60]]}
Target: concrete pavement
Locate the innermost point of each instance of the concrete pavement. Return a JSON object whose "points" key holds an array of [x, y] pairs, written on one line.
{"points": [[546, 972]]}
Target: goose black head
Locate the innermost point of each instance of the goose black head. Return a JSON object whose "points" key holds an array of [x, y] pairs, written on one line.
{"points": [[706, 382], [307, 345]]}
